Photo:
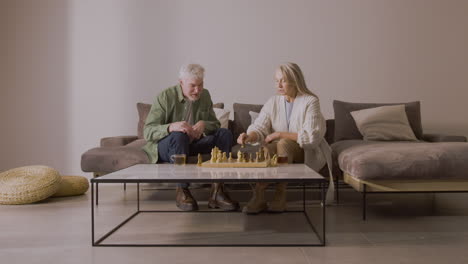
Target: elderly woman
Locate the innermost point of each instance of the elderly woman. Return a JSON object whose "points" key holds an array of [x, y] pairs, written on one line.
{"points": [[287, 124]]}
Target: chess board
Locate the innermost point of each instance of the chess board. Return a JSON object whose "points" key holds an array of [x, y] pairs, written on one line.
{"points": [[220, 160], [236, 164]]}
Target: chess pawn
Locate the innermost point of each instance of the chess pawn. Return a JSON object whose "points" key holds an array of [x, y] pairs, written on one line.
{"points": [[250, 158], [224, 158], [256, 156], [230, 157], [219, 158], [200, 161], [239, 156]]}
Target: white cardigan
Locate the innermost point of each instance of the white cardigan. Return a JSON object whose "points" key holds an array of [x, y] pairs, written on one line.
{"points": [[306, 120]]}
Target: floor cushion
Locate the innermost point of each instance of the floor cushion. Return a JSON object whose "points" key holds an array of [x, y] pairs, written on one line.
{"points": [[28, 184], [72, 185]]}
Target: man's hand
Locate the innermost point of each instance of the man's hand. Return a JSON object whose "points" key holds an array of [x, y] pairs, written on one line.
{"points": [[272, 137], [181, 126], [198, 129]]}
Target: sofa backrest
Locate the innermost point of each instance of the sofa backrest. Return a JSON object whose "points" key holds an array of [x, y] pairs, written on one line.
{"points": [[242, 118], [345, 126]]}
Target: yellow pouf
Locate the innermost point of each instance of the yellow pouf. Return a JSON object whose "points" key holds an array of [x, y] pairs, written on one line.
{"points": [[28, 184], [72, 185]]}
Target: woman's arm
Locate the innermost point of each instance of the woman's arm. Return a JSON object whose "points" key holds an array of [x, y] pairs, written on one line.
{"points": [[280, 135]]}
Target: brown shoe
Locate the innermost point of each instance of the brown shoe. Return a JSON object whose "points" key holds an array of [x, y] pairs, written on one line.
{"points": [[185, 200], [257, 203], [220, 199], [278, 205]]}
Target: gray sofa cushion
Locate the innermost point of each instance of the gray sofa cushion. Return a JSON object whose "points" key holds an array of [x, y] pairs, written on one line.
{"points": [[367, 160], [112, 158], [345, 127], [242, 118]]}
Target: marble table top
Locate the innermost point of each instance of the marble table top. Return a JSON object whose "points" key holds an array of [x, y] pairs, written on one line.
{"points": [[168, 173]]}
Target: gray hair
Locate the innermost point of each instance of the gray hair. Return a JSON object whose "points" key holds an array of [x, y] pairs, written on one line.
{"points": [[191, 71]]}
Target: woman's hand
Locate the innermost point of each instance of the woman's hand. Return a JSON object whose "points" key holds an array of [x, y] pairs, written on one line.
{"points": [[272, 137], [242, 139]]}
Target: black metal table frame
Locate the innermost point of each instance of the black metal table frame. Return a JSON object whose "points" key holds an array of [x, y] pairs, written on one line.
{"points": [[98, 242]]}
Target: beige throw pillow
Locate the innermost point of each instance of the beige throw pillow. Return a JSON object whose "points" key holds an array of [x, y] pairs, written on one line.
{"points": [[223, 116], [253, 116], [385, 123]]}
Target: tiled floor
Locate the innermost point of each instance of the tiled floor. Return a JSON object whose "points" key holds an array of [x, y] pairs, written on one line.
{"points": [[411, 228]]}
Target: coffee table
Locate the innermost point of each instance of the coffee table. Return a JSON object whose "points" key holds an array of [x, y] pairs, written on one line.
{"points": [[168, 173]]}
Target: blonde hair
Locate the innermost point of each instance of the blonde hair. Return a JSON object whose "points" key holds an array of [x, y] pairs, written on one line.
{"points": [[293, 75]]}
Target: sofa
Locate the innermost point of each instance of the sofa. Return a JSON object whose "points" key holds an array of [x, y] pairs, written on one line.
{"points": [[432, 163], [119, 152]]}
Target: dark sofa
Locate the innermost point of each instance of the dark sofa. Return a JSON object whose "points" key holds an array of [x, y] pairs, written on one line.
{"points": [[119, 152], [435, 163]]}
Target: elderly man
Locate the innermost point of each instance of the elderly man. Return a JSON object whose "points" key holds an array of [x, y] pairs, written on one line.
{"points": [[182, 121]]}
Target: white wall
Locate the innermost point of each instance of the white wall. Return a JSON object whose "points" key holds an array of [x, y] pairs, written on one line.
{"points": [[34, 106], [89, 62]]}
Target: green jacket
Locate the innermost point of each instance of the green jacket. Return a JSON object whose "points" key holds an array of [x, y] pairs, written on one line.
{"points": [[169, 107]]}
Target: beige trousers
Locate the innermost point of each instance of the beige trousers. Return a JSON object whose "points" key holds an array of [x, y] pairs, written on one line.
{"points": [[286, 147]]}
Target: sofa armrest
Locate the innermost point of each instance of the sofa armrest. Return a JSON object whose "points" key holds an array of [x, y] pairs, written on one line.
{"points": [[443, 138], [117, 141]]}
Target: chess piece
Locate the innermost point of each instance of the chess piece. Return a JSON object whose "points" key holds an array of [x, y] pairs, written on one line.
{"points": [[250, 158], [274, 160], [256, 156], [224, 158], [230, 157], [213, 156], [239, 156], [200, 161]]}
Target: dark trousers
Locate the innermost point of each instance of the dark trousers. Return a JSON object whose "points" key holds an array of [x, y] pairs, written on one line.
{"points": [[179, 143]]}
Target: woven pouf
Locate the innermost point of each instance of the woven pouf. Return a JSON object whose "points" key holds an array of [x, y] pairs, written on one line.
{"points": [[28, 184], [72, 185]]}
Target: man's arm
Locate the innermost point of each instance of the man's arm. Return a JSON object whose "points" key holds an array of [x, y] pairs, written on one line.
{"points": [[156, 125]]}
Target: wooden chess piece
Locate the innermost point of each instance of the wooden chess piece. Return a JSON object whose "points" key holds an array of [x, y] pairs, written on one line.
{"points": [[213, 156], [230, 157], [200, 161], [274, 160]]}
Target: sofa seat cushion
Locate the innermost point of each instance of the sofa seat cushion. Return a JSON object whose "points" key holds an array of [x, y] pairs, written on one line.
{"points": [[110, 159], [367, 160]]}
